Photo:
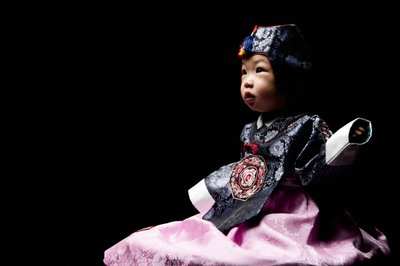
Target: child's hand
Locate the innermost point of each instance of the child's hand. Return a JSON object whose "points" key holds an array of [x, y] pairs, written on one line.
{"points": [[358, 132]]}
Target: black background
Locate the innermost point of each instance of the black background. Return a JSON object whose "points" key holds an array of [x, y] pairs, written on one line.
{"points": [[123, 109]]}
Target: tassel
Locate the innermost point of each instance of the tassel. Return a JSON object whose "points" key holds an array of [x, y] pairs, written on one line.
{"points": [[254, 30], [241, 53], [248, 43]]}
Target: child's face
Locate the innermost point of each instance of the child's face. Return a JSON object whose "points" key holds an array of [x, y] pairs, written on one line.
{"points": [[258, 86]]}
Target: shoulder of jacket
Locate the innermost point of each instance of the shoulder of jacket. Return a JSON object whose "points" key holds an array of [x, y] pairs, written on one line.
{"points": [[248, 125], [309, 116]]}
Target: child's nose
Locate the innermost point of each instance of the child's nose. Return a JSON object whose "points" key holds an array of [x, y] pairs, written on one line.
{"points": [[248, 84]]}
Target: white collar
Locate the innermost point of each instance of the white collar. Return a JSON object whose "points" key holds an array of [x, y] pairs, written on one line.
{"points": [[267, 123]]}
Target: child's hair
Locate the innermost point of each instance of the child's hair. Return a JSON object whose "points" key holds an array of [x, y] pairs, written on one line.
{"points": [[288, 53]]}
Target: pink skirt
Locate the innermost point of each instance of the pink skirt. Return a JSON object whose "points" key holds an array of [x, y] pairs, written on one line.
{"points": [[290, 230]]}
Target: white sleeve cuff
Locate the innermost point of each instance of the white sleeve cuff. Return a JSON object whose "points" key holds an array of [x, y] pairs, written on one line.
{"points": [[200, 197], [339, 149]]}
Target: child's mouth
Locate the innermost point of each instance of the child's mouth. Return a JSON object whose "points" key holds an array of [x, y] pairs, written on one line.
{"points": [[249, 98]]}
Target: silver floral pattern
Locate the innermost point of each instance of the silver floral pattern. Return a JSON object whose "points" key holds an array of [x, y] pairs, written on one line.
{"points": [[292, 145]]}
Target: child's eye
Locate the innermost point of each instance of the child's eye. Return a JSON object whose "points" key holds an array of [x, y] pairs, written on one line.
{"points": [[260, 69], [244, 72]]}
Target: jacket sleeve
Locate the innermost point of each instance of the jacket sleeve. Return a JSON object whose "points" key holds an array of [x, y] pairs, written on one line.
{"points": [[342, 148], [200, 197], [205, 192], [325, 153]]}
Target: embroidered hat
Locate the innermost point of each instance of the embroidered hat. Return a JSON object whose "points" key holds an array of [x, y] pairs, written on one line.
{"points": [[287, 51]]}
